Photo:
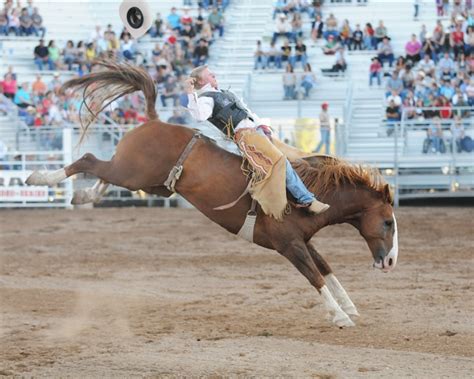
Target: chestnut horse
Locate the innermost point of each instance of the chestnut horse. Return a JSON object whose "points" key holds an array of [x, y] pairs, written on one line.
{"points": [[212, 176]]}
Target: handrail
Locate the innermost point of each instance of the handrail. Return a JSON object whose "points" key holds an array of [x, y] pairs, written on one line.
{"points": [[347, 111]]}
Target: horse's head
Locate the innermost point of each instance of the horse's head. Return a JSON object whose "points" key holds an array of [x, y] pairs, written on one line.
{"points": [[378, 226]]}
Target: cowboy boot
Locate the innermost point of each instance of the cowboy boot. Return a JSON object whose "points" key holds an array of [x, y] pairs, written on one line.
{"points": [[318, 207]]}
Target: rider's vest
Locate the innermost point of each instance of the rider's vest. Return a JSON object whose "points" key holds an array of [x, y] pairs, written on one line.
{"points": [[228, 111]]}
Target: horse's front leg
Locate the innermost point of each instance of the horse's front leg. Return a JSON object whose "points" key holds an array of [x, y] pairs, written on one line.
{"points": [[336, 289], [297, 253]]}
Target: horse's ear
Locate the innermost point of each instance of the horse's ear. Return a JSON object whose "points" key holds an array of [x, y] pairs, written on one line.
{"points": [[387, 194]]}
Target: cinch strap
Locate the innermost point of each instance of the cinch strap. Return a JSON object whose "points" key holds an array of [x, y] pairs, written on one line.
{"points": [[246, 232], [177, 170]]}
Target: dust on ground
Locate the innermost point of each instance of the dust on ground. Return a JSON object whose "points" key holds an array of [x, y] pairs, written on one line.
{"points": [[162, 293]]}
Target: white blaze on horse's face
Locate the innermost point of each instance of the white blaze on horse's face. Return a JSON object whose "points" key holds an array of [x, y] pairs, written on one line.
{"points": [[389, 262]]}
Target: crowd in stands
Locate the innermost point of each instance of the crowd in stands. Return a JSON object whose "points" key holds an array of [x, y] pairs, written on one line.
{"points": [[182, 42], [21, 20], [435, 74]]}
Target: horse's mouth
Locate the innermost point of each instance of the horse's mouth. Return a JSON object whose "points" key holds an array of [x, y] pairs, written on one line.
{"points": [[381, 266]]}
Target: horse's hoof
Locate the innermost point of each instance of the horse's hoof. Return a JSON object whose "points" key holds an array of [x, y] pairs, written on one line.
{"points": [[82, 196], [343, 320], [38, 178], [351, 311]]}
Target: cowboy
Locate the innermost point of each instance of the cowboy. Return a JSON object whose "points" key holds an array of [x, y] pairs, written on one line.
{"points": [[271, 169]]}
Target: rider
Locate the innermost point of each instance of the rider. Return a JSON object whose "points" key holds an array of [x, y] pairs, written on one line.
{"points": [[228, 113]]}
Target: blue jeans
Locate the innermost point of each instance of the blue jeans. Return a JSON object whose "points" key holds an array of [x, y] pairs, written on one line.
{"points": [[324, 141], [40, 63], [276, 60], [307, 88], [299, 58], [375, 75], [289, 92], [296, 187], [260, 60]]}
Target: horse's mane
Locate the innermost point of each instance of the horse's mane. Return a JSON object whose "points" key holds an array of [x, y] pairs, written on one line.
{"points": [[327, 174]]}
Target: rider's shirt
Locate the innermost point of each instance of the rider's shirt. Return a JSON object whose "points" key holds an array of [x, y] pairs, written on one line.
{"points": [[201, 108]]}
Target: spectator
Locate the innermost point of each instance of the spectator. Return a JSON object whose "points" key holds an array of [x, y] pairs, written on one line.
{"points": [[201, 53], [296, 26], [259, 57], [54, 53], [446, 64], [308, 80], [14, 22], [3, 22], [177, 118], [456, 40], [70, 54], [9, 85], [186, 18], [39, 87], [279, 8], [396, 98], [385, 52], [416, 4], [157, 29], [273, 56], [394, 84], [216, 21], [199, 21], [470, 93], [300, 54], [282, 28], [170, 90], [413, 49], [434, 137], [331, 27], [317, 28], [91, 54], [55, 84], [392, 115], [26, 23], [325, 129], [127, 48], [331, 46], [380, 33], [458, 133], [375, 72], [22, 97], [427, 65], [286, 52], [289, 83], [174, 20], [41, 53], [345, 34], [357, 39], [369, 37], [38, 23]]}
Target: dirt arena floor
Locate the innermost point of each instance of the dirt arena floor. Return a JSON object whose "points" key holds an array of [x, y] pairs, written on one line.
{"points": [[165, 293]]}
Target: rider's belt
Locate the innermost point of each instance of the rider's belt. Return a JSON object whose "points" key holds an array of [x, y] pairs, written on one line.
{"points": [[228, 111]]}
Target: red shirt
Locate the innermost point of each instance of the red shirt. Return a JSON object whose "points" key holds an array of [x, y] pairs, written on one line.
{"points": [[186, 20], [9, 87], [458, 37]]}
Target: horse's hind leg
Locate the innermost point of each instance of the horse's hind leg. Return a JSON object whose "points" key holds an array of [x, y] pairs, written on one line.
{"points": [[87, 164], [90, 195], [336, 289], [298, 254]]}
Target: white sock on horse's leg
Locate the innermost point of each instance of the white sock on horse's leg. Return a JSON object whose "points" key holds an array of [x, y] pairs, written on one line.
{"points": [[340, 294], [46, 178], [337, 315], [90, 195]]}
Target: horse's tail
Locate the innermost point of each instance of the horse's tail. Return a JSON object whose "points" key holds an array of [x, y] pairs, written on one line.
{"points": [[101, 88]]}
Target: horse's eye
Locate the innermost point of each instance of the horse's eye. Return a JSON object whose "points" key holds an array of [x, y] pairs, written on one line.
{"points": [[388, 223]]}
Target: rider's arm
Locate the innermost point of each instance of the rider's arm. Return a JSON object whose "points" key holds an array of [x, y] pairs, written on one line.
{"points": [[200, 107]]}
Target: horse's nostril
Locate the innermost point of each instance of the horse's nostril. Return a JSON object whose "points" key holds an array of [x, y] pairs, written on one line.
{"points": [[390, 261]]}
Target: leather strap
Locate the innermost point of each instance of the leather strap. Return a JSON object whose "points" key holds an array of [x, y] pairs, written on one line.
{"points": [[177, 169], [247, 229]]}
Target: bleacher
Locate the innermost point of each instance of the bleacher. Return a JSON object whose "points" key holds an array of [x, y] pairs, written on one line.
{"points": [[360, 108]]}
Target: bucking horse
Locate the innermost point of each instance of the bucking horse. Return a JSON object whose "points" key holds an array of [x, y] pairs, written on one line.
{"points": [[161, 158]]}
